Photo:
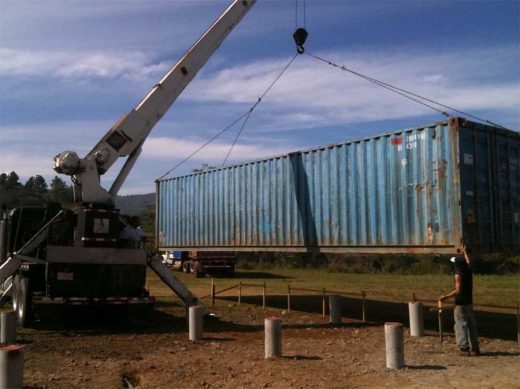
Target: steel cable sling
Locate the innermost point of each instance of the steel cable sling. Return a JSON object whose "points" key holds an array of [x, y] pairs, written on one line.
{"points": [[403, 92], [245, 116]]}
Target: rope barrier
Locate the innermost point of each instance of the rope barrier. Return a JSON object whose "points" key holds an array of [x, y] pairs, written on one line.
{"points": [[361, 294]]}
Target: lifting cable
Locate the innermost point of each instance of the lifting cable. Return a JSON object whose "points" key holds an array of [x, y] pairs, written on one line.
{"points": [[405, 93], [300, 33], [245, 116], [256, 104], [296, 14]]}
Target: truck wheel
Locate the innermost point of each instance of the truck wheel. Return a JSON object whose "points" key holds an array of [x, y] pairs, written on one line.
{"points": [[185, 267], [197, 271], [23, 301], [14, 292]]}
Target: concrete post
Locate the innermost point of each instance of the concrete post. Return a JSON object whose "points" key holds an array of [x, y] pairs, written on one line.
{"points": [[195, 322], [11, 367], [394, 342], [8, 327], [415, 310], [335, 309], [273, 337]]}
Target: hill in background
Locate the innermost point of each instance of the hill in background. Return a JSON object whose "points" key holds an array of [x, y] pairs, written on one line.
{"points": [[134, 204]]}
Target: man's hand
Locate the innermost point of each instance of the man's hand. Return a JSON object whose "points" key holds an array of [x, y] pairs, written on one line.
{"points": [[442, 298]]}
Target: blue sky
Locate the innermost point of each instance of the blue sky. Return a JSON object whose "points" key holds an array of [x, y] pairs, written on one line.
{"points": [[70, 69]]}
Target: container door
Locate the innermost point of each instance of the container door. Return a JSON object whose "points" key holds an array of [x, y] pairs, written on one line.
{"points": [[490, 187]]}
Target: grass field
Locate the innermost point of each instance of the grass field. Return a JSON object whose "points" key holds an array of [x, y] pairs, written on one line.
{"points": [[495, 290]]}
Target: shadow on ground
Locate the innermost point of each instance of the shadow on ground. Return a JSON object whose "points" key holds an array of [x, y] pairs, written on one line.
{"points": [[426, 367], [93, 321], [490, 324]]}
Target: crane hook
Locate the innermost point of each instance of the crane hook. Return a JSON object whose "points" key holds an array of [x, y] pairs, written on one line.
{"points": [[300, 36]]}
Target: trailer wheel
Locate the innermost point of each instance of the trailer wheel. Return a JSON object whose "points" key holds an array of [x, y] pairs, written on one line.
{"points": [[197, 271], [22, 300]]}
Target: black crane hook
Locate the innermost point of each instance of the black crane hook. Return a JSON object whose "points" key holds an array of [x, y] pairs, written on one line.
{"points": [[300, 36]]}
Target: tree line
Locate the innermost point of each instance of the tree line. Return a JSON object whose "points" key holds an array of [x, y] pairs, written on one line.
{"points": [[35, 191]]}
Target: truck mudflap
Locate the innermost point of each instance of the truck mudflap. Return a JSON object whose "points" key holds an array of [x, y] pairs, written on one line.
{"points": [[91, 301]]}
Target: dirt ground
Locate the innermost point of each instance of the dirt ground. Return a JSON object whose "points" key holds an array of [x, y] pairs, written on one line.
{"points": [[110, 352]]}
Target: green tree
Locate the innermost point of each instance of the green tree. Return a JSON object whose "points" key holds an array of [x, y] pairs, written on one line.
{"points": [[35, 191], [12, 181], [11, 191], [60, 192], [203, 168], [147, 218]]}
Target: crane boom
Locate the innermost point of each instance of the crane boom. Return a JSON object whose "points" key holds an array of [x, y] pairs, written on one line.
{"points": [[128, 134]]}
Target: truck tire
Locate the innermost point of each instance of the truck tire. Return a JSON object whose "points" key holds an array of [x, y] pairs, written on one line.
{"points": [[14, 292], [22, 296], [197, 270], [185, 267]]}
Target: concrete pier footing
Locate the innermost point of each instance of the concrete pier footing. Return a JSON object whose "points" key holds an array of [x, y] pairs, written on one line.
{"points": [[415, 310], [11, 367], [394, 342], [273, 337], [8, 327], [196, 319], [335, 309]]}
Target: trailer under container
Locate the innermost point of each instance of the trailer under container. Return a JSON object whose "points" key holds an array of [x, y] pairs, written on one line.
{"points": [[422, 190]]}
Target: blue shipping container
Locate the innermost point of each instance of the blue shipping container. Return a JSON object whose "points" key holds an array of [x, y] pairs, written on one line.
{"points": [[422, 190]]}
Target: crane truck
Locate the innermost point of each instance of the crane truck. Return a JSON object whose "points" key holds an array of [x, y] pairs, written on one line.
{"points": [[74, 256]]}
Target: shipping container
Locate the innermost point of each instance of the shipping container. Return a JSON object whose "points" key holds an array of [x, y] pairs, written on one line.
{"points": [[421, 190]]}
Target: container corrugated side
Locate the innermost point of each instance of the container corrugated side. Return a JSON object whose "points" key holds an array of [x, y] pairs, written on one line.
{"points": [[394, 193]]}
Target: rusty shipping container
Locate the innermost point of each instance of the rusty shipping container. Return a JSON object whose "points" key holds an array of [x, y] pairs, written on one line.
{"points": [[421, 190]]}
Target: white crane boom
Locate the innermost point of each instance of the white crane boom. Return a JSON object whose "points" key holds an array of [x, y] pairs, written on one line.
{"points": [[127, 136]]}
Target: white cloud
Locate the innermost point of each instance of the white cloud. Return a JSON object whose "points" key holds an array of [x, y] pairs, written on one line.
{"points": [[310, 93], [25, 164], [314, 93], [79, 65], [433, 78], [176, 149]]}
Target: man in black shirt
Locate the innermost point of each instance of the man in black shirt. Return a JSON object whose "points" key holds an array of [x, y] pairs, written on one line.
{"points": [[465, 324]]}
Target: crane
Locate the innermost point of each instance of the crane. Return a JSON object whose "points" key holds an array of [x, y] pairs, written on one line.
{"points": [[126, 137], [74, 256]]}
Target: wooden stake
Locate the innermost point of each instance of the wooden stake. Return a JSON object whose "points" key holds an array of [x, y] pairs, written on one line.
{"points": [[263, 296], [288, 298], [439, 314], [518, 321], [363, 295], [323, 303], [239, 292], [212, 292]]}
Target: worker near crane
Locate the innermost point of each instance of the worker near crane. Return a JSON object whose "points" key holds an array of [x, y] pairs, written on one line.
{"points": [[465, 323], [132, 236]]}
